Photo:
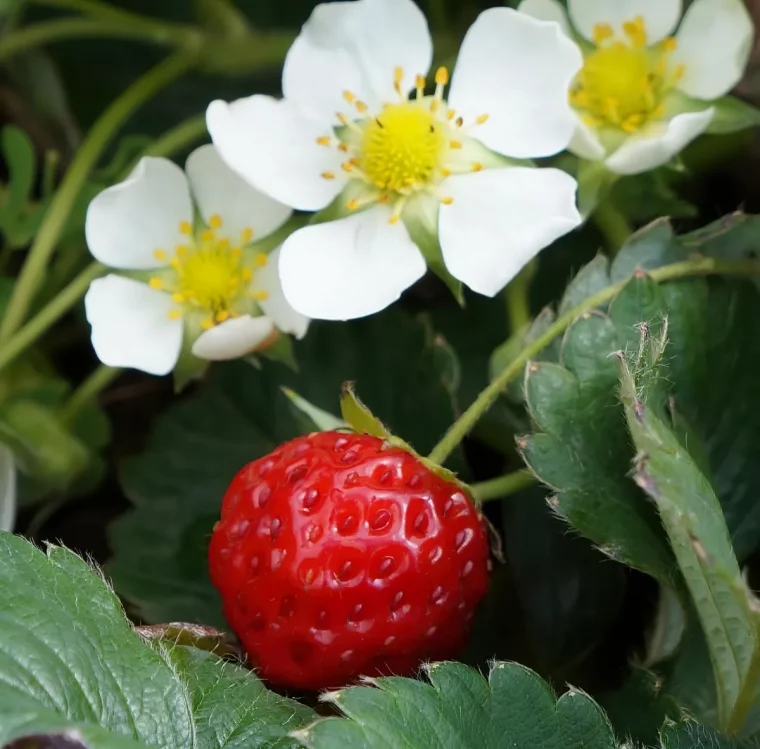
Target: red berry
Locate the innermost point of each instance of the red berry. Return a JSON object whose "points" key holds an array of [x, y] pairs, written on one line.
{"points": [[338, 557]]}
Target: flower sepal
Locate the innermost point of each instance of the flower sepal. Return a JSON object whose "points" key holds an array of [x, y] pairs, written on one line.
{"points": [[732, 115]]}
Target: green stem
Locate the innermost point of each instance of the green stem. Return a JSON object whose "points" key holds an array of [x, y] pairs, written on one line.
{"points": [[698, 267], [185, 134], [63, 201], [49, 314], [60, 29], [502, 486], [102, 11], [613, 225], [99, 380], [517, 299]]}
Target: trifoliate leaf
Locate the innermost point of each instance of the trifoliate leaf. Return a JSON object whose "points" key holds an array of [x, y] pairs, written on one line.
{"points": [[71, 664], [459, 708]]}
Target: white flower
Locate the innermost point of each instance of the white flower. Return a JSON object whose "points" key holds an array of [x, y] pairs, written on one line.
{"points": [[421, 165], [643, 94], [204, 287]]}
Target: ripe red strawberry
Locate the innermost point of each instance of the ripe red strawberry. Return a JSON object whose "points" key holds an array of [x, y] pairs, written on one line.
{"points": [[338, 557]]}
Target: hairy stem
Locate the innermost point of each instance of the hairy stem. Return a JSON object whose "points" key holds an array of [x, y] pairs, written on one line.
{"points": [[698, 267], [49, 314], [502, 486], [86, 158], [98, 381], [613, 225]]}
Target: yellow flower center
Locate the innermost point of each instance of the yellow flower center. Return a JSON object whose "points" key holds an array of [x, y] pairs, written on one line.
{"points": [[623, 82], [208, 275], [411, 146], [402, 147]]}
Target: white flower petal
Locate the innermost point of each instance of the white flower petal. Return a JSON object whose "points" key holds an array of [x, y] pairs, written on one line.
{"points": [[546, 10], [500, 219], [233, 338], [221, 191], [586, 143], [273, 145], [660, 16], [126, 223], [349, 268], [131, 326], [377, 36], [517, 70], [7, 489], [275, 306], [654, 148], [316, 77], [714, 43]]}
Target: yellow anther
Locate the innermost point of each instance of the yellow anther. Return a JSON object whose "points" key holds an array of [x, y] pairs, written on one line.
{"points": [[246, 235], [601, 33], [247, 275], [344, 147], [186, 227], [156, 283], [342, 118], [328, 175], [670, 44], [347, 166], [398, 79], [482, 119], [420, 81], [394, 219], [361, 107], [636, 31], [324, 140], [260, 295], [222, 315], [181, 250], [349, 97], [160, 255], [353, 204], [215, 221], [260, 260], [455, 144], [478, 167], [208, 235], [459, 122], [207, 324], [435, 105], [447, 200], [175, 314], [445, 172], [441, 76]]}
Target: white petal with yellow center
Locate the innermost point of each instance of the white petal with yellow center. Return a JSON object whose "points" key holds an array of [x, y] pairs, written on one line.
{"points": [[233, 338], [349, 268], [659, 144], [517, 70], [714, 43], [267, 286], [500, 219], [659, 16], [546, 10], [126, 223], [132, 326], [272, 145], [219, 191]]}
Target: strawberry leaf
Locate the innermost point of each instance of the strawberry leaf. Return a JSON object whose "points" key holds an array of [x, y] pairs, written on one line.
{"points": [[459, 708], [77, 669]]}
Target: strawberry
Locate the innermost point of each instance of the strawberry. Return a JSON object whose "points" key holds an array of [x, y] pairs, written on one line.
{"points": [[338, 555]]}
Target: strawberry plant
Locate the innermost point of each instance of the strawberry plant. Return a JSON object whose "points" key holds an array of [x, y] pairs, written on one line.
{"points": [[379, 373]]}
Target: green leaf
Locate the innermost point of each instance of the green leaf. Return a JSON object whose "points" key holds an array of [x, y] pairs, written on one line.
{"points": [[459, 709], [322, 420], [19, 155], [358, 416], [692, 735], [79, 667], [197, 447], [696, 528], [732, 115]]}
